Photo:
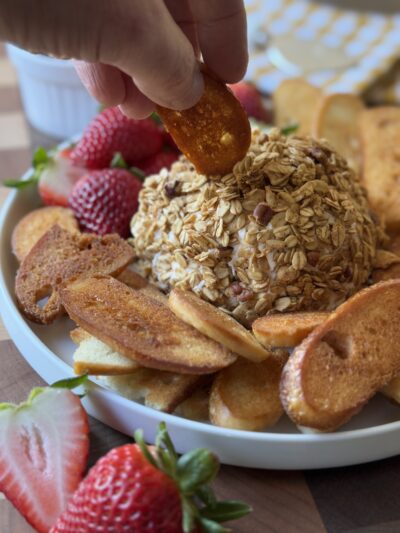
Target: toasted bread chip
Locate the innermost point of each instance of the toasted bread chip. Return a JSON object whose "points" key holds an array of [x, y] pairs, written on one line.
{"points": [[196, 406], [216, 324], [35, 224], [138, 282], [78, 335], [346, 360], [392, 389], [336, 120], [380, 143], [286, 329], [246, 395], [387, 266], [394, 244], [214, 134], [141, 328], [390, 269], [392, 272], [295, 101], [58, 256], [96, 358], [160, 390]]}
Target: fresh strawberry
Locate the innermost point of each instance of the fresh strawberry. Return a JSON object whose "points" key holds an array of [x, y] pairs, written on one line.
{"points": [[57, 178], [104, 201], [110, 132], [54, 173], [138, 490], [169, 142], [154, 163], [43, 452], [251, 100]]}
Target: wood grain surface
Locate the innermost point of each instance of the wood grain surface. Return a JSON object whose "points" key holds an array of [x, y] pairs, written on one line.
{"points": [[353, 499]]}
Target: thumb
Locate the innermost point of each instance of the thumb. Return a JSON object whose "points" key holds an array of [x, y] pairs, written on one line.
{"points": [[139, 37], [158, 57]]}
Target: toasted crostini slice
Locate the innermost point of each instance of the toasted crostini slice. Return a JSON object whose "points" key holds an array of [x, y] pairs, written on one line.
{"points": [[141, 328], [286, 329], [246, 394], [216, 324]]}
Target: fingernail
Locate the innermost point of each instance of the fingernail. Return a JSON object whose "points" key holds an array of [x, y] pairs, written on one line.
{"points": [[193, 95], [197, 86]]}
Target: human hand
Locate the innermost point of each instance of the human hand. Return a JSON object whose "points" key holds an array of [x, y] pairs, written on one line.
{"points": [[135, 53]]}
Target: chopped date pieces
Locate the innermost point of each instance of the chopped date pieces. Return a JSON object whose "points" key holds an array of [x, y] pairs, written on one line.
{"points": [[263, 213], [236, 288], [225, 251], [313, 258], [171, 189], [245, 295]]}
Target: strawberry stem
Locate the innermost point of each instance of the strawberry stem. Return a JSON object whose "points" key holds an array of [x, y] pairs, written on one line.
{"points": [[290, 128], [144, 449], [155, 118], [118, 161], [192, 472], [70, 383]]}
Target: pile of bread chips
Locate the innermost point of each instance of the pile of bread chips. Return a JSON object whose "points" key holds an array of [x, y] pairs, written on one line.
{"points": [[181, 353], [177, 353]]}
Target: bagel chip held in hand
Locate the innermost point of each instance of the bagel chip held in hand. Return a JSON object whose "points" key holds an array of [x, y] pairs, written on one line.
{"points": [[215, 133]]}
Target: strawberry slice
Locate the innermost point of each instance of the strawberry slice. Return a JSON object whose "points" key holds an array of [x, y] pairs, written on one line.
{"points": [[43, 452], [57, 178], [55, 173]]}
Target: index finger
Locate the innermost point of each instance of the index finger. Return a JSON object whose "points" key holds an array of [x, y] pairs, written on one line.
{"points": [[222, 35]]}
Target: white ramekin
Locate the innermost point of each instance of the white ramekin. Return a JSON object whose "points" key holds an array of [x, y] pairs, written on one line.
{"points": [[54, 99]]}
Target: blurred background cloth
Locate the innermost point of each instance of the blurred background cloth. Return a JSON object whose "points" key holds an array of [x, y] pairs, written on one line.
{"points": [[370, 39]]}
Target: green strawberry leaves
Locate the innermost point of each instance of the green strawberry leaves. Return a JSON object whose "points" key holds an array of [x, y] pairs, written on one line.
{"points": [[41, 158], [290, 129], [119, 162], [70, 383], [193, 472], [224, 511], [196, 468]]}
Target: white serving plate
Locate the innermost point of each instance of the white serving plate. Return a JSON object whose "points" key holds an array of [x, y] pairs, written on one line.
{"points": [[371, 435]]}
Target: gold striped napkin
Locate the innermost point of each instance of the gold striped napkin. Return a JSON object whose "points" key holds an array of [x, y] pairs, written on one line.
{"points": [[370, 40]]}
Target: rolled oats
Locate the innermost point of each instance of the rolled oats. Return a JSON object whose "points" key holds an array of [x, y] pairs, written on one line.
{"points": [[289, 229]]}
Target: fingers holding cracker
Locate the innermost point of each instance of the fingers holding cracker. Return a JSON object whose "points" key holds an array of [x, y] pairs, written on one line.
{"points": [[214, 134]]}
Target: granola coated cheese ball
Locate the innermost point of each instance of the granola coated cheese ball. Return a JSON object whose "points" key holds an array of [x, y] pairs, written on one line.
{"points": [[289, 229]]}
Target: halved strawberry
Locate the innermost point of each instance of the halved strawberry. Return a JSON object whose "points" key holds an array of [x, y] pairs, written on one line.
{"points": [[55, 174], [43, 452], [57, 178]]}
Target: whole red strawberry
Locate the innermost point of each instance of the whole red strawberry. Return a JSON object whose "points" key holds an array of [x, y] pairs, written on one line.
{"points": [[124, 488], [251, 100], [137, 490], [154, 163], [104, 201], [110, 132]]}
